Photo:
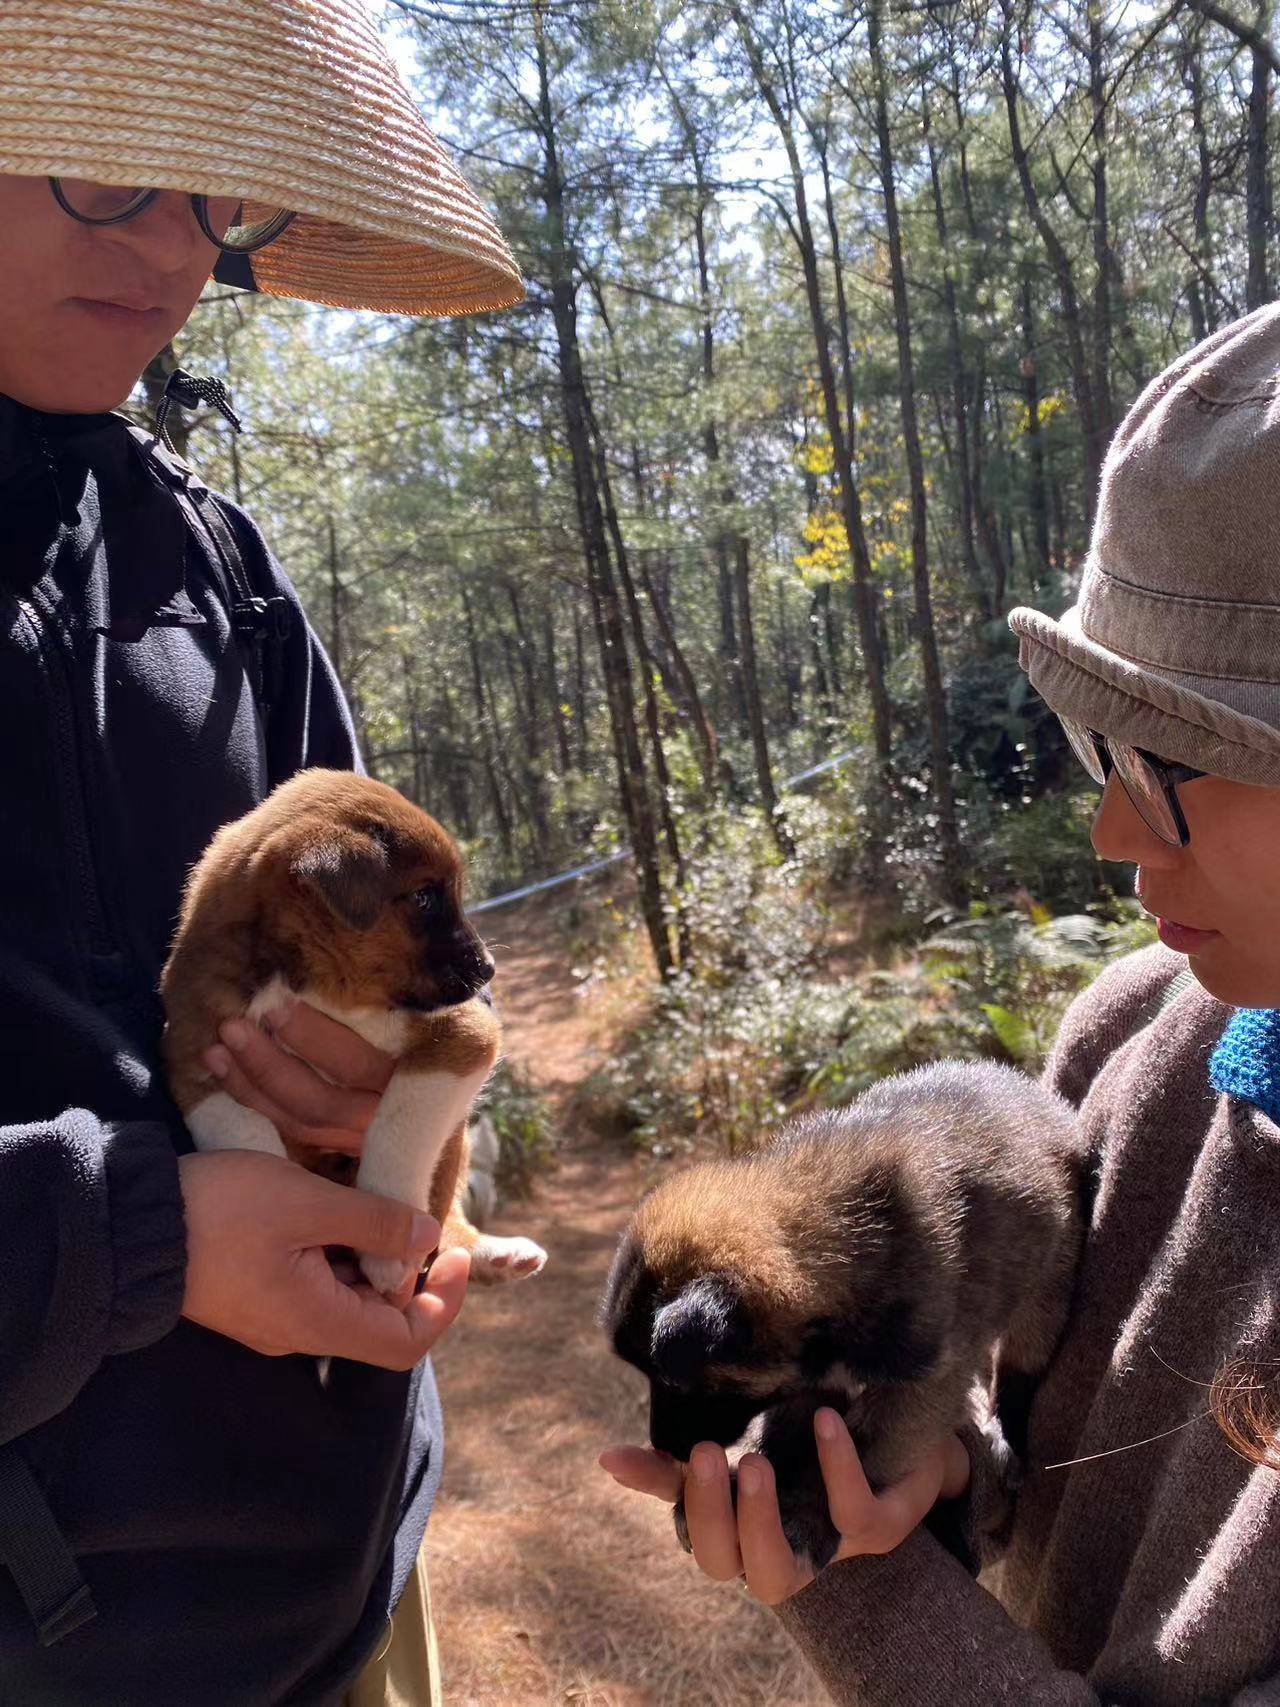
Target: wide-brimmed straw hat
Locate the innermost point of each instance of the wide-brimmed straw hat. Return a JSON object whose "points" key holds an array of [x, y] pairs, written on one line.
{"points": [[287, 103], [1173, 643]]}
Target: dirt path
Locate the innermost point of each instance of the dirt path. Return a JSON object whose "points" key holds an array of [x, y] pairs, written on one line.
{"points": [[549, 1584]]}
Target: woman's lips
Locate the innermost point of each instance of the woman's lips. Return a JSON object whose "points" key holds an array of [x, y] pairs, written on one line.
{"points": [[1183, 939], [119, 315]]}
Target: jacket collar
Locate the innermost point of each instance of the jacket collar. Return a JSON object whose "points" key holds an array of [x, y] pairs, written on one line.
{"points": [[90, 510]]}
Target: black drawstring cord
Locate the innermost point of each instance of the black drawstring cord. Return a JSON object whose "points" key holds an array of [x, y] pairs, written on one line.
{"points": [[189, 392]]}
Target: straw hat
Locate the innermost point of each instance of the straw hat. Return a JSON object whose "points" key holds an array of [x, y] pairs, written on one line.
{"points": [[1173, 643], [290, 103]]}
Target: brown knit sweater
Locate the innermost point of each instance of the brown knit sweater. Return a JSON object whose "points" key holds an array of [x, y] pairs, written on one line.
{"points": [[1150, 1577]]}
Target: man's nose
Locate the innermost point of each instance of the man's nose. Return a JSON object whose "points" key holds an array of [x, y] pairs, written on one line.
{"points": [[1120, 833]]}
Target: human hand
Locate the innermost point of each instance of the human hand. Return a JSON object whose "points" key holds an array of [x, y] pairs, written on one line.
{"points": [[320, 1090], [749, 1542], [257, 1226]]}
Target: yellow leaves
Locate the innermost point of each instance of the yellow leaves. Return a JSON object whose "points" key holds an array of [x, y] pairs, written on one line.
{"points": [[828, 555], [817, 457], [1052, 404]]}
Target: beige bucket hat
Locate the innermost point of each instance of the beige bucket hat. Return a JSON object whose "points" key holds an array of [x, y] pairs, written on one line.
{"points": [[287, 103], [1173, 643]]}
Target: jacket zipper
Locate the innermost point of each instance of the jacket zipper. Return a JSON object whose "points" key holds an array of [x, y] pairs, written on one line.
{"points": [[72, 783]]}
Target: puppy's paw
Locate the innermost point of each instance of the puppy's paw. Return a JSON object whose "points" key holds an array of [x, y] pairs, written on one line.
{"points": [[807, 1525], [682, 1525], [386, 1274], [494, 1259]]}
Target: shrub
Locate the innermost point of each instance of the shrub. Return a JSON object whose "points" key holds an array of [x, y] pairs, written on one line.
{"points": [[526, 1141]]}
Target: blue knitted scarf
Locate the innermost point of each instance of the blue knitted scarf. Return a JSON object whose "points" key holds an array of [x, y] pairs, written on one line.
{"points": [[1246, 1062]]}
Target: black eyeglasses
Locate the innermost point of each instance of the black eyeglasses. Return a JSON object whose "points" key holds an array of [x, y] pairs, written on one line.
{"points": [[236, 227], [1150, 782]]}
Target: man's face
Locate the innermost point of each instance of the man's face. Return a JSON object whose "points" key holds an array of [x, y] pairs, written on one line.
{"points": [[84, 308]]}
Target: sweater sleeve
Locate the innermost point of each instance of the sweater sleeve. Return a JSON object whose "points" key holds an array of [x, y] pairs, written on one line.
{"points": [[913, 1629], [93, 1260]]}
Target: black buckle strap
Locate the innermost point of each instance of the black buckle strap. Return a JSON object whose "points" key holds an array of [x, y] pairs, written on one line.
{"points": [[32, 1546]]}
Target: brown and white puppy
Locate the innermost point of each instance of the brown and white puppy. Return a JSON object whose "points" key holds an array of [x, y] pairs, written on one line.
{"points": [[341, 893], [871, 1259]]}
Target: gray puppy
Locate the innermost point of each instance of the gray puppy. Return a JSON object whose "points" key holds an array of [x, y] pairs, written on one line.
{"points": [[872, 1259]]}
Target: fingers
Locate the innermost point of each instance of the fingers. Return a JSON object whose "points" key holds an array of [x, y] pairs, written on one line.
{"points": [[341, 1054], [956, 1467], [330, 1214], [289, 1084], [869, 1522], [849, 1497], [643, 1471], [708, 1510], [365, 1327], [772, 1571], [903, 1506]]}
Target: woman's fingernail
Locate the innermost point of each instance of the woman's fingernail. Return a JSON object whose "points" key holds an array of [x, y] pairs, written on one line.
{"points": [[702, 1465], [278, 1018], [828, 1425], [424, 1233], [750, 1479], [218, 1062], [234, 1032]]}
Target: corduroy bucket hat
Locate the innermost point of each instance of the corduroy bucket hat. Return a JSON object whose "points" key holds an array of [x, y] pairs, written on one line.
{"points": [[1173, 643], [282, 103]]}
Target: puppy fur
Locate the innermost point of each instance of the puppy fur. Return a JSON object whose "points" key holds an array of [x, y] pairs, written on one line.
{"points": [[338, 891], [872, 1259]]}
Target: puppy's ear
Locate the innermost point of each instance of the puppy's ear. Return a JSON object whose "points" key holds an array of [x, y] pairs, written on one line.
{"points": [[707, 1323], [351, 874]]}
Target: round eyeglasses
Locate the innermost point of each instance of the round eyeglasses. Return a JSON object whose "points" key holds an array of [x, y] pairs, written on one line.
{"points": [[236, 227], [1150, 782]]}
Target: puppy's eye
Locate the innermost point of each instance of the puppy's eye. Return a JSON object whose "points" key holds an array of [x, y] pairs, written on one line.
{"points": [[429, 900]]}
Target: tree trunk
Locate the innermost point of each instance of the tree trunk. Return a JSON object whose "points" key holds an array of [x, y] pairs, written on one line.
{"points": [[851, 506], [500, 815], [633, 791], [551, 687], [931, 667], [1081, 384], [959, 382], [1039, 497], [1201, 291], [1257, 172], [755, 711]]}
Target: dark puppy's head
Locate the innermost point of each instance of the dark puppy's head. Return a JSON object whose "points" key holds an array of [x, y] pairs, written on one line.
{"points": [[741, 1284], [373, 893]]}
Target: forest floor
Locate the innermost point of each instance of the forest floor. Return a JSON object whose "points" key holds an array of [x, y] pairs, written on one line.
{"points": [[549, 1584]]}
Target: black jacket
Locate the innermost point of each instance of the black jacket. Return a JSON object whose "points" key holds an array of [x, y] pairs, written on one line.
{"points": [[243, 1532]]}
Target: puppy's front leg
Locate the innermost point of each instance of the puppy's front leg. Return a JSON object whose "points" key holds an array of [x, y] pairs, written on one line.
{"points": [[219, 1122], [402, 1148], [786, 1440]]}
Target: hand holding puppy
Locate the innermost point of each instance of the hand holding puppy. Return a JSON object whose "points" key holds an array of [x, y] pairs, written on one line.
{"points": [[257, 1226], [320, 1090], [744, 1537]]}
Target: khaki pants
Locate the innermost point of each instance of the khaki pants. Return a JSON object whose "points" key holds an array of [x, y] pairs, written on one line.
{"points": [[405, 1672]]}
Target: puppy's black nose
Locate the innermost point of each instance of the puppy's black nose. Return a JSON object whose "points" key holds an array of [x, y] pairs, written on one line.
{"points": [[466, 976]]}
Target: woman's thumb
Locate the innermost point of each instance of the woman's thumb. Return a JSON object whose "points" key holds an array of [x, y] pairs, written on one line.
{"points": [[380, 1226]]}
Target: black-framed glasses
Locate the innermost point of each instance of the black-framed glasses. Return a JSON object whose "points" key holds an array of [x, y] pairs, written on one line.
{"points": [[1150, 782], [234, 226]]}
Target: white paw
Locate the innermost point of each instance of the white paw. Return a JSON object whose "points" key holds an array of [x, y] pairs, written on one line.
{"points": [[386, 1274], [506, 1259]]}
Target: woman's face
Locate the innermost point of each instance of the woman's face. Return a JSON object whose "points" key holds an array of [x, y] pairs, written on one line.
{"points": [[1222, 889], [84, 308]]}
